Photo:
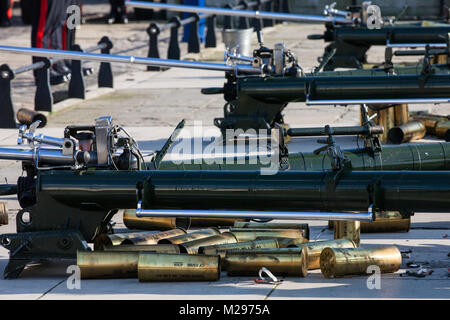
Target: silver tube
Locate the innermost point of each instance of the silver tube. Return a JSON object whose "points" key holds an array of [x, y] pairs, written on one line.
{"points": [[239, 57], [16, 154], [59, 142], [237, 13], [375, 101], [294, 215], [413, 45], [48, 156], [76, 55], [329, 10]]}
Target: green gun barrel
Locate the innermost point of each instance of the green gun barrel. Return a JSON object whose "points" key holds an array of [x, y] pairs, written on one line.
{"points": [[295, 89], [406, 33], [408, 191], [423, 156]]}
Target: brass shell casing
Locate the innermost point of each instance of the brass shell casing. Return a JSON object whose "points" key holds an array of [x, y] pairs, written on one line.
{"points": [[114, 239], [158, 248], [3, 213], [191, 247], [280, 264], [178, 267], [347, 230], [213, 222], [221, 249], [245, 234], [274, 225], [387, 222], [153, 238], [401, 113], [386, 118], [290, 243], [104, 240], [429, 120], [131, 221], [198, 234], [314, 249], [339, 262], [413, 130], [107, 264], [442, 129]]}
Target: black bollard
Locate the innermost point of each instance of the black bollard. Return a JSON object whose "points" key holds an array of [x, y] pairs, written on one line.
{"points": [[211, 41], [194, 39], [227, 20], [174, 47], [77, 86], [243, 21], [153, 51], [7, 119], [43, 98], [105, 75], [268, 6]]}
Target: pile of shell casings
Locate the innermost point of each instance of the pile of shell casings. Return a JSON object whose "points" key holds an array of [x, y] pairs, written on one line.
{"points": [[420, 124], [179, 254]]}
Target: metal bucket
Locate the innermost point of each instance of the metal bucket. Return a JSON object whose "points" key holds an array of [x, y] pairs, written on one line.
{"points": [[239, 39]]}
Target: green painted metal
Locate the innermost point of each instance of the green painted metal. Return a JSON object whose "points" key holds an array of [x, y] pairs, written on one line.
{"points": [[424, 156], [290, 190], [351, 43], [257, 102]]}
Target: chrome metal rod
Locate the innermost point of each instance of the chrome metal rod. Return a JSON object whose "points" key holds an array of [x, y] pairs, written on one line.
{"points": [[331, 11], [375, 101], [76, 55], [296, 215], [238, 57], [16, 154], [237, 13], [53, 156], [413, 45], [41, 64], [40, 138]]}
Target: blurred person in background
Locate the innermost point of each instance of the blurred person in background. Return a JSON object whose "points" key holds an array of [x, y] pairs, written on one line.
{"points": [[48, 19], [118, 12], [6, 12]]}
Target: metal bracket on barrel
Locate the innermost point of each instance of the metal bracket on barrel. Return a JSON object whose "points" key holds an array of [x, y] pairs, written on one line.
{"points": [[7, 119], [153, 51], [375, 198], [105, 75], [43, 98], [174, 47], [77, 86], [194, 39], [211, 41], [243, 21]]}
